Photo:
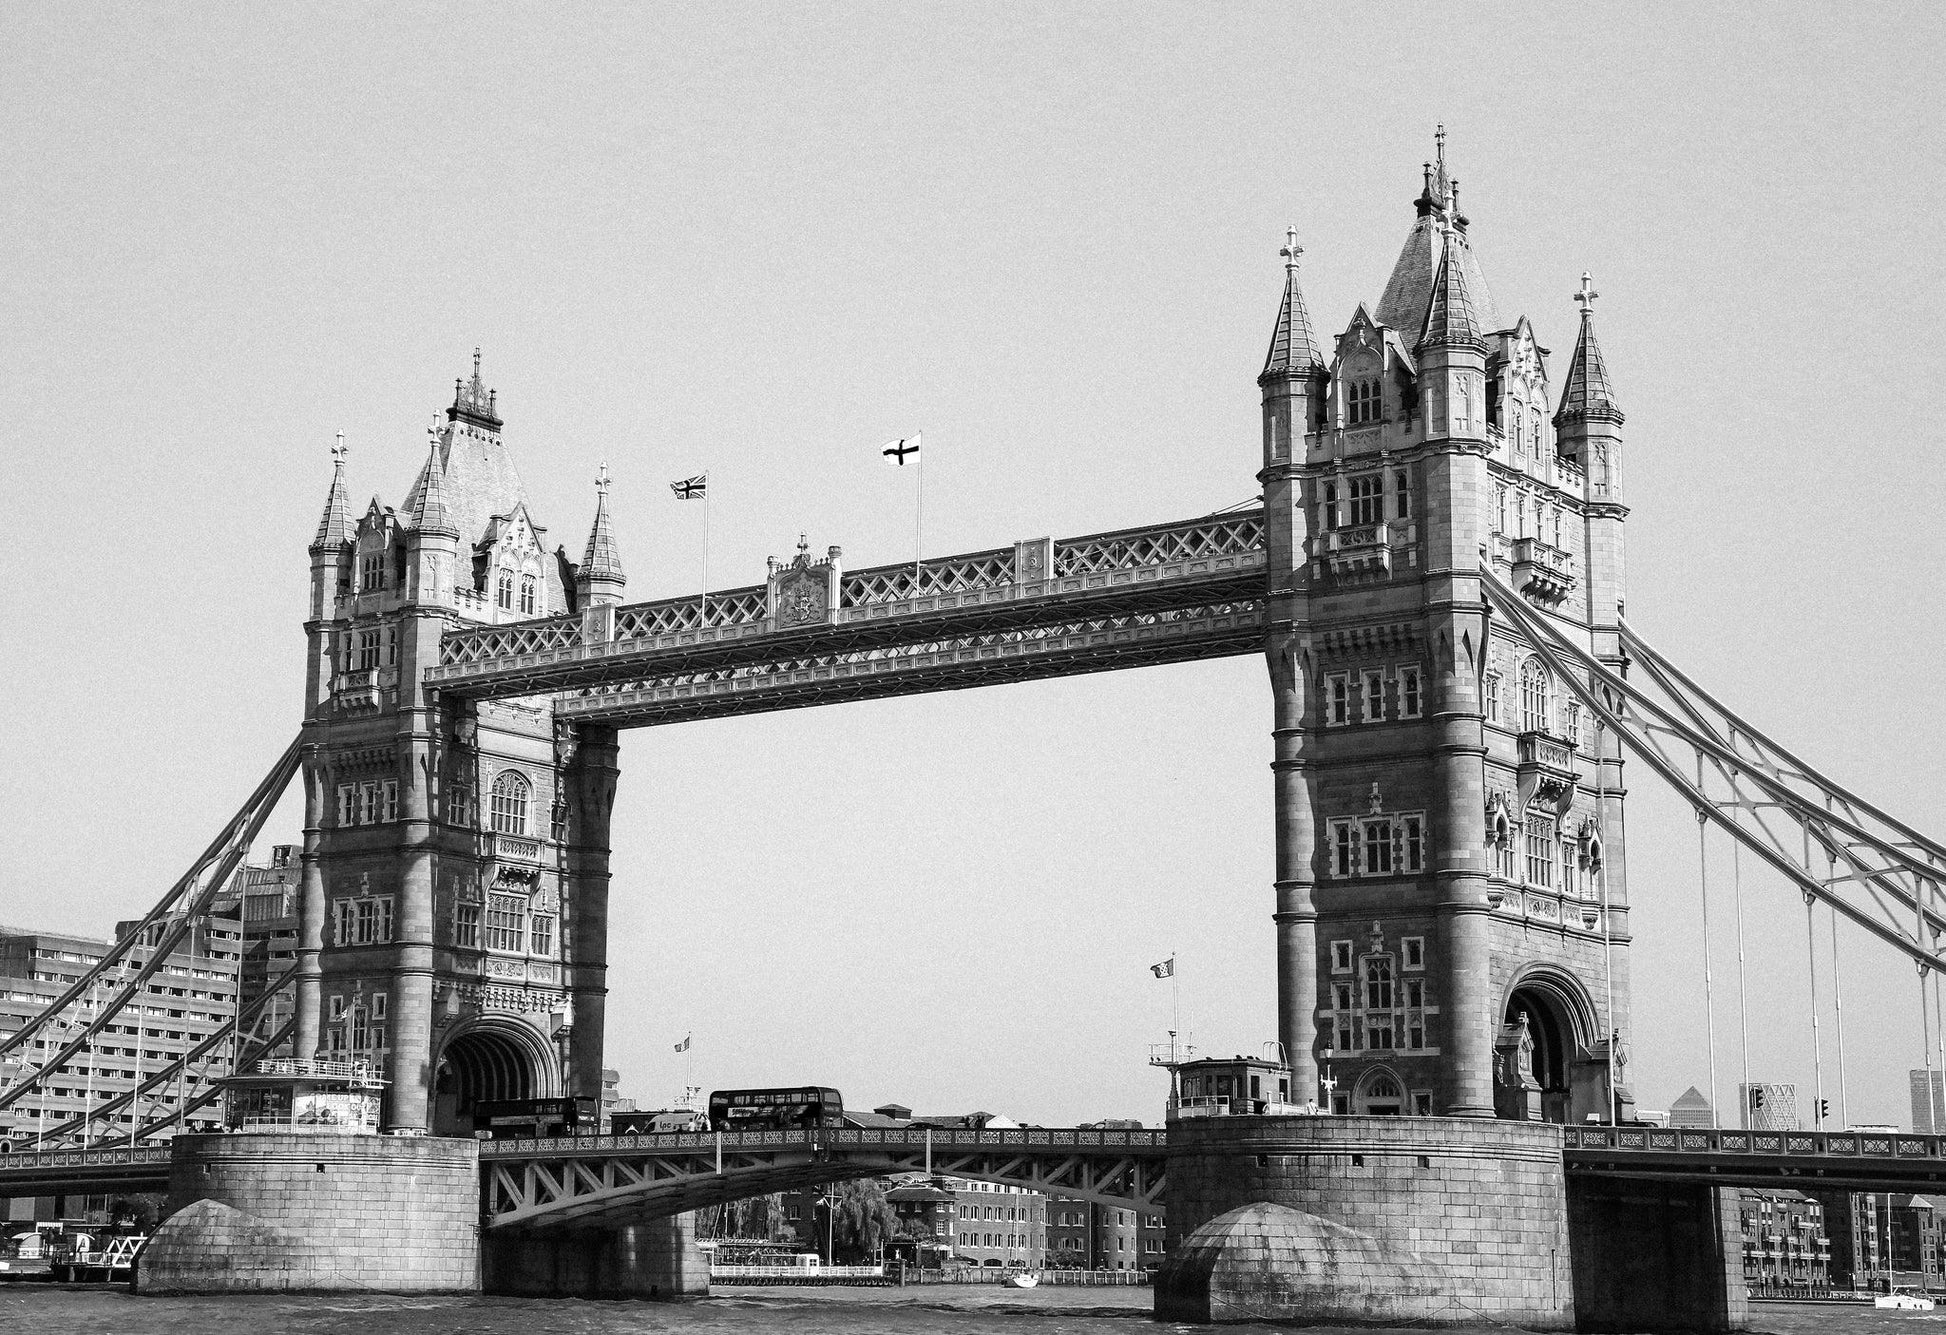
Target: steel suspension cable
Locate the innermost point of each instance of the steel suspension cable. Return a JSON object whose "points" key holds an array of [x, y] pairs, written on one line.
{"points": [[1838, 1014], [1743, 996], [1607, 944], [1811, 960], [1709, 1000]]}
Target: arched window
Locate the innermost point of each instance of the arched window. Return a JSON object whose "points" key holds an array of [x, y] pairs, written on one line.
{"points": [[527, 595], [1385, 1087], [503, 591], [510, 797], [1533, 697]]}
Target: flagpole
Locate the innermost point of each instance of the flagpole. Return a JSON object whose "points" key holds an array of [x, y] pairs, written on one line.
{"points": [[919, 521], [1175, 999], [705, 620]]}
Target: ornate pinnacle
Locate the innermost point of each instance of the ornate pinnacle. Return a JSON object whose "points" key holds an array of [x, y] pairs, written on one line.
{"points": [[1586, 296], [601, 478], [1291, 249], [340, 450]]}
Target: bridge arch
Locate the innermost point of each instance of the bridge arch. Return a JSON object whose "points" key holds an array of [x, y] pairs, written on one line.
{"points": [[489, 1058], [1562, 1026]]}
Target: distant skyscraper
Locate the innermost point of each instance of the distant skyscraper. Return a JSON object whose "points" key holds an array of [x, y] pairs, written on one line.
{"points": [[1928, 1113], [1692, 1111], [1768, 1107]]}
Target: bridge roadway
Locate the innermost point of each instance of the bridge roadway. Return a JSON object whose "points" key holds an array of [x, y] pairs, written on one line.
{"points": [[590, 1181]]}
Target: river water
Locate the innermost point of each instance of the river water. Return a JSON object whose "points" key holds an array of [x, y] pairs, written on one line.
{"points": [[38, 1309]]}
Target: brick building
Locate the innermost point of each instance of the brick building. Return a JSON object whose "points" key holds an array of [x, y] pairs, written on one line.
{"points": [[1085, 1236], [1450, 887], [1785, 1247]]}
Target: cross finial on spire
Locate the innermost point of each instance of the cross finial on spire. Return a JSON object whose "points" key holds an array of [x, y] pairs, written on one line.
{"points": [[601, 478], [802, 544], [340, 450], [1439, 143], [1586, 296], [476, 362], [1291, 249]]}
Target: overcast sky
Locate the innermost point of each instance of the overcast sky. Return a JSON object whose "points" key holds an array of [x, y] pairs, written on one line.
{"points": [[759, 240]]}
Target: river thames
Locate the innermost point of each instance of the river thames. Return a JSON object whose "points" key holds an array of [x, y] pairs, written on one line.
{"points": [[945, 1310]]}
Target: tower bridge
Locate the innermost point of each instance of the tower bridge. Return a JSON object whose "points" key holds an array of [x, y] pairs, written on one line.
{"points": [[1433, 571]]}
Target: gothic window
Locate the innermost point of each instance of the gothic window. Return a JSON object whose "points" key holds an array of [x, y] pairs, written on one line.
{"points": [[1364, 401], [1503, 849], [1540, 851], [503, 591], [1344, 852], [1411, 693], [1415, 958], [1367, 499], [1534, 697], [1571, 723], [1570, 880], [1415, 993], [1493, 697], [1378, 847], [368, 649], [505, 923], [1500, 510], [1403, 494], [378, 1005], [371, 572], [1341, 995], [540, 932], [1337, 691], [1371, 690], [1555, 516], [1378, 983], [466, 926], [1518, 432], [1341, 957], [511, 792], [1381, 1032], [1330, 505], [1412, 842], [527, 587]]}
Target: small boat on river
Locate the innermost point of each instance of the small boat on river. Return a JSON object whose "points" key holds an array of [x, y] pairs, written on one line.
{"points": [[1025, 1279]]}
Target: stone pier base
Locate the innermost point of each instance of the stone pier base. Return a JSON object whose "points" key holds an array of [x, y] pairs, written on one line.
{"points": [[1391, 1220], [657, 1259], [1655, 1256], [278, 1212]]}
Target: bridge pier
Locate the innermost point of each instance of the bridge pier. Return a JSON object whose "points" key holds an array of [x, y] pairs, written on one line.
{"points": [[657, 1259], [1652, 1256]]}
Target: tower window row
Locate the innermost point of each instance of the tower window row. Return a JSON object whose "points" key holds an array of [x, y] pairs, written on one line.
{"points": [[1362, 697], [361, 921], [1541, 855], [529, 593], [1388, 845], [1379, 1010], [510, 928], [1536, 705], [1363, 401], [1516, 514], [1363, 503], [372, 802]]}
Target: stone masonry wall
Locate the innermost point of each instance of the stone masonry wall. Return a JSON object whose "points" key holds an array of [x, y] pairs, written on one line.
{"points": [[298, 1212], [1485, 1199]]}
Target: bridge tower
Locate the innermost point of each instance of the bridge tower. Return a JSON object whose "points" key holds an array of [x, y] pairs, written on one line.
{"points": [[455, 859], [1451, 911]]}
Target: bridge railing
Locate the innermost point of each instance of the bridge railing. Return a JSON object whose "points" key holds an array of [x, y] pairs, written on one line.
{"points": [[839, 1137], [1680, 1140], [135, 1156]]}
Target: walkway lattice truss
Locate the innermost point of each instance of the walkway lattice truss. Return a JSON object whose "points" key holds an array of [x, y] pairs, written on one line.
{"points": [[611, 1180], [1834, 846]]}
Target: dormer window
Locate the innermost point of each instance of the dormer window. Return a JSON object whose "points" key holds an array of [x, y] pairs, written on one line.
{"points": [[371, 572], [503, 592], [527, 587], [1363, 401]]}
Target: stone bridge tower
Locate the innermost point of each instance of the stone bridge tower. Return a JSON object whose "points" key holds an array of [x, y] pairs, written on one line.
{"points": [[455, 861], [1451, 912]]}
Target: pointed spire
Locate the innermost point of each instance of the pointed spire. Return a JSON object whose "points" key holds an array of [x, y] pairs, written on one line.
{"points": [[1293, 346], [603, 560], [426, 511], [1402, 306], [334, 530], [1586, 393], [1450, 319]]}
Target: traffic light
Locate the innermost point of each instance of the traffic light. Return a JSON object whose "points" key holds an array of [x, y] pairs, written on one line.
{"points": [[1824, 1109], [1756, 1099]]}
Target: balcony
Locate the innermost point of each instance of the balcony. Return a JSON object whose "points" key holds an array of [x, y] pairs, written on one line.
{"points": [[1542, 572], [1365, 548], [357, 689], [513, 848], [1547, 769]]}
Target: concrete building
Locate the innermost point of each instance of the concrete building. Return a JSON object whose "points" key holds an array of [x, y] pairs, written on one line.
{"points": [[1785, 1247], [1692, 1112], [1876, 1236], [1085, 1236], [263, 897], [190, 997], [1928, 1102], [1768, 1107]]}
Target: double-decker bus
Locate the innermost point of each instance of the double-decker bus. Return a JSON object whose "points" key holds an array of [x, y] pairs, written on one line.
{"points": [[775, 1109], [510, 1119]]}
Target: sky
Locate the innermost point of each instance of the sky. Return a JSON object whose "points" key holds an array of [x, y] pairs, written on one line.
{"points": [[759, 240]]}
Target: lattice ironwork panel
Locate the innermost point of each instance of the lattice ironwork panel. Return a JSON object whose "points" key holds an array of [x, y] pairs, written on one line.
{"points": [[953, 574], [521, 637], [732, 607], [1233, 535]]}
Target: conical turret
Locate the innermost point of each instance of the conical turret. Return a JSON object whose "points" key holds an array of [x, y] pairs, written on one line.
{"points": [[1586, 394], [334, 530], [426, 508], [1450, 317], [1409, 289], [1293, 344], [600, 578]]}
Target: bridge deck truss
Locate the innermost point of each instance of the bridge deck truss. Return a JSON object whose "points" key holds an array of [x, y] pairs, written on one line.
{"points": [[608, 1180], [1805, 1160], [1165, 594]]}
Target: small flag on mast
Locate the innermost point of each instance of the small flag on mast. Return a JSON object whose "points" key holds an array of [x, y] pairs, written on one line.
{"points": [[1166, 969], [684, 1045], [896, 451], [691, 488]]}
